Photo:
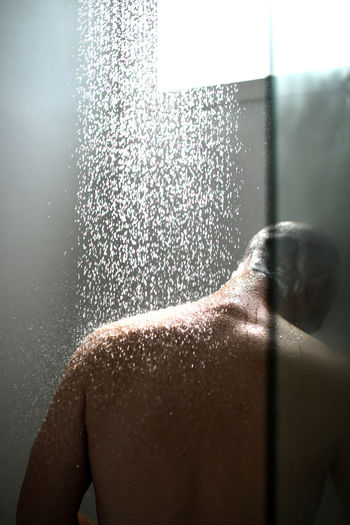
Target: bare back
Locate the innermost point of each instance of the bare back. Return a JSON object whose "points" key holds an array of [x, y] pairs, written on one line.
{"points": [[176, 416], [166, 413]]}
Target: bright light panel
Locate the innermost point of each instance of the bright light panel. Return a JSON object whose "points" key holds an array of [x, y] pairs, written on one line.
{"points": [[310, 35], [210, 42]]}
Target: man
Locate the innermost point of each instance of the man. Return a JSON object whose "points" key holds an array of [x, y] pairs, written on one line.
{"points": [[167, 412]]}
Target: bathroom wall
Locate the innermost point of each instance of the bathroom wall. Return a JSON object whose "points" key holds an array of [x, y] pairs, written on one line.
{"points": [[38, 234], [37, 231]]}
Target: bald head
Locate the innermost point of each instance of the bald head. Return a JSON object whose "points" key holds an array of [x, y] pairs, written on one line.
{"points": [[300, 261]]}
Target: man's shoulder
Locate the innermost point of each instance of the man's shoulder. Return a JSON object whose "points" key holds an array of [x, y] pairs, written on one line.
{"points": [[143, 329], [312, 361], [293, 341]]}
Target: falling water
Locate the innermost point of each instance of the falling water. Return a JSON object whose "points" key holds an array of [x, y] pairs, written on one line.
{"points": [[158, 200]]}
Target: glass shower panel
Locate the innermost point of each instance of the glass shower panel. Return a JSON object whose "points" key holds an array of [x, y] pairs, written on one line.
{"points": [[310, 163]]}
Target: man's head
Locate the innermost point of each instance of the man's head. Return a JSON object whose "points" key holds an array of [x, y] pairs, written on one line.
{"points": [[302, 266]]}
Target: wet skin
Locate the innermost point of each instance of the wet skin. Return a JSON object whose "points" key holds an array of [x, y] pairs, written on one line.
{"points": [[166, 413]]}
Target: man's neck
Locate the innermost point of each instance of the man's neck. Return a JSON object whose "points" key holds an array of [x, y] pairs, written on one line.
{"points": [[245, 282], [245, 294]]}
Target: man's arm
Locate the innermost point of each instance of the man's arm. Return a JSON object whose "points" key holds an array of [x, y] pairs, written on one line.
{"points": [[84, 520], [340, 469], [341, 473], [58, 472]]}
